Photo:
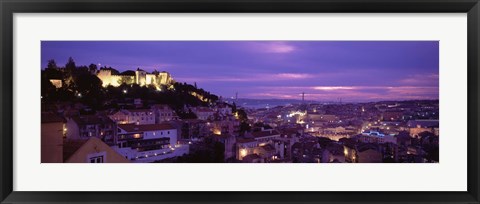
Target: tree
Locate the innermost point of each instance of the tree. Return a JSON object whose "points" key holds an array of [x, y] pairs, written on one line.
{"points": [[70, 64], [47, 89], [51, 64], [92, 68], [69, 68]]}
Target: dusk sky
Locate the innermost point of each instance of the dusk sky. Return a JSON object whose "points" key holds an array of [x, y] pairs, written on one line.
{"points": [[325, 70]]}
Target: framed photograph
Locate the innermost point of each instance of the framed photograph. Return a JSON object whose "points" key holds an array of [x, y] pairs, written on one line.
{"points": [[239, 101]]}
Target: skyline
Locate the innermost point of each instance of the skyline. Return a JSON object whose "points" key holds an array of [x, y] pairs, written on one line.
{"points": [[355, 71]]}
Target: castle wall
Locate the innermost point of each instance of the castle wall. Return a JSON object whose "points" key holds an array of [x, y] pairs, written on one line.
{"points": [[141, 78], [105, 75], [164, 78], [151, 79]]}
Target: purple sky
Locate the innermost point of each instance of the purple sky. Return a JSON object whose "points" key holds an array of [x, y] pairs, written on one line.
{"points": [[324, 70]]}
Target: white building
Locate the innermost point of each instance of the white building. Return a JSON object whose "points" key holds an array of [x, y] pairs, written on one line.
{"points": [[148, 143], [203, 113], [163, 113], [223, 109], [376, 137], [134, 116]]}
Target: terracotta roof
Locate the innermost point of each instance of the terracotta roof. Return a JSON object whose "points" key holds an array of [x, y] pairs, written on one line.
{"points": [[147, 127]]}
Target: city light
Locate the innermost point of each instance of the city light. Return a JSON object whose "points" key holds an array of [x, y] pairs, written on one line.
{"points": [[144, 115], [243, 152]]}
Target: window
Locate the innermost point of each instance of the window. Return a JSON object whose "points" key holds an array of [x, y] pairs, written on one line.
{"points": [[98, 159]]}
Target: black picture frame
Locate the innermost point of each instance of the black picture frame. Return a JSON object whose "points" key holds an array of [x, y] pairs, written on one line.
{"points": [[10, 7]]}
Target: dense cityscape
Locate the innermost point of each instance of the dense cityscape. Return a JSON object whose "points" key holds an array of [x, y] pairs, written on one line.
{"points": [[98, 114]]}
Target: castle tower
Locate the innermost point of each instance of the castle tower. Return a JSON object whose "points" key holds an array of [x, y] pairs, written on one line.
{"points": [[140, 77], [164, 78]]}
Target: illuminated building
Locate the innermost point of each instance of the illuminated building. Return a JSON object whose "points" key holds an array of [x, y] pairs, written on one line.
{"points": [[418, 126], [163, 113], [336, 133], [149, 143], [140, 77], [392, 115], [57, 83], [134, 116], [376, 137], [363, 153], [262, 144], [203, 113]]}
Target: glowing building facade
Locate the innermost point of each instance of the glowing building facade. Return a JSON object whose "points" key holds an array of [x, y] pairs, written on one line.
{"points": [[141, 78]]}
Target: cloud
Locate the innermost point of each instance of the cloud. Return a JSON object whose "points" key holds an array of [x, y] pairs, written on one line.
{"points": [[420, 79], [261, 77], [277, 47], [333, 88], [282, 76], [348, 93]]}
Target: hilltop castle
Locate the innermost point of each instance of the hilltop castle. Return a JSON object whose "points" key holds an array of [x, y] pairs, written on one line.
{"points": [[139, 77]]}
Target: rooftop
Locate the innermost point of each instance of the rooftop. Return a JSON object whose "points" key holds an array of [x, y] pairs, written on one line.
{"points": [[138, 110], [91, 119], [147, 127], [265, 133], [245, 140], [71, 146]]}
